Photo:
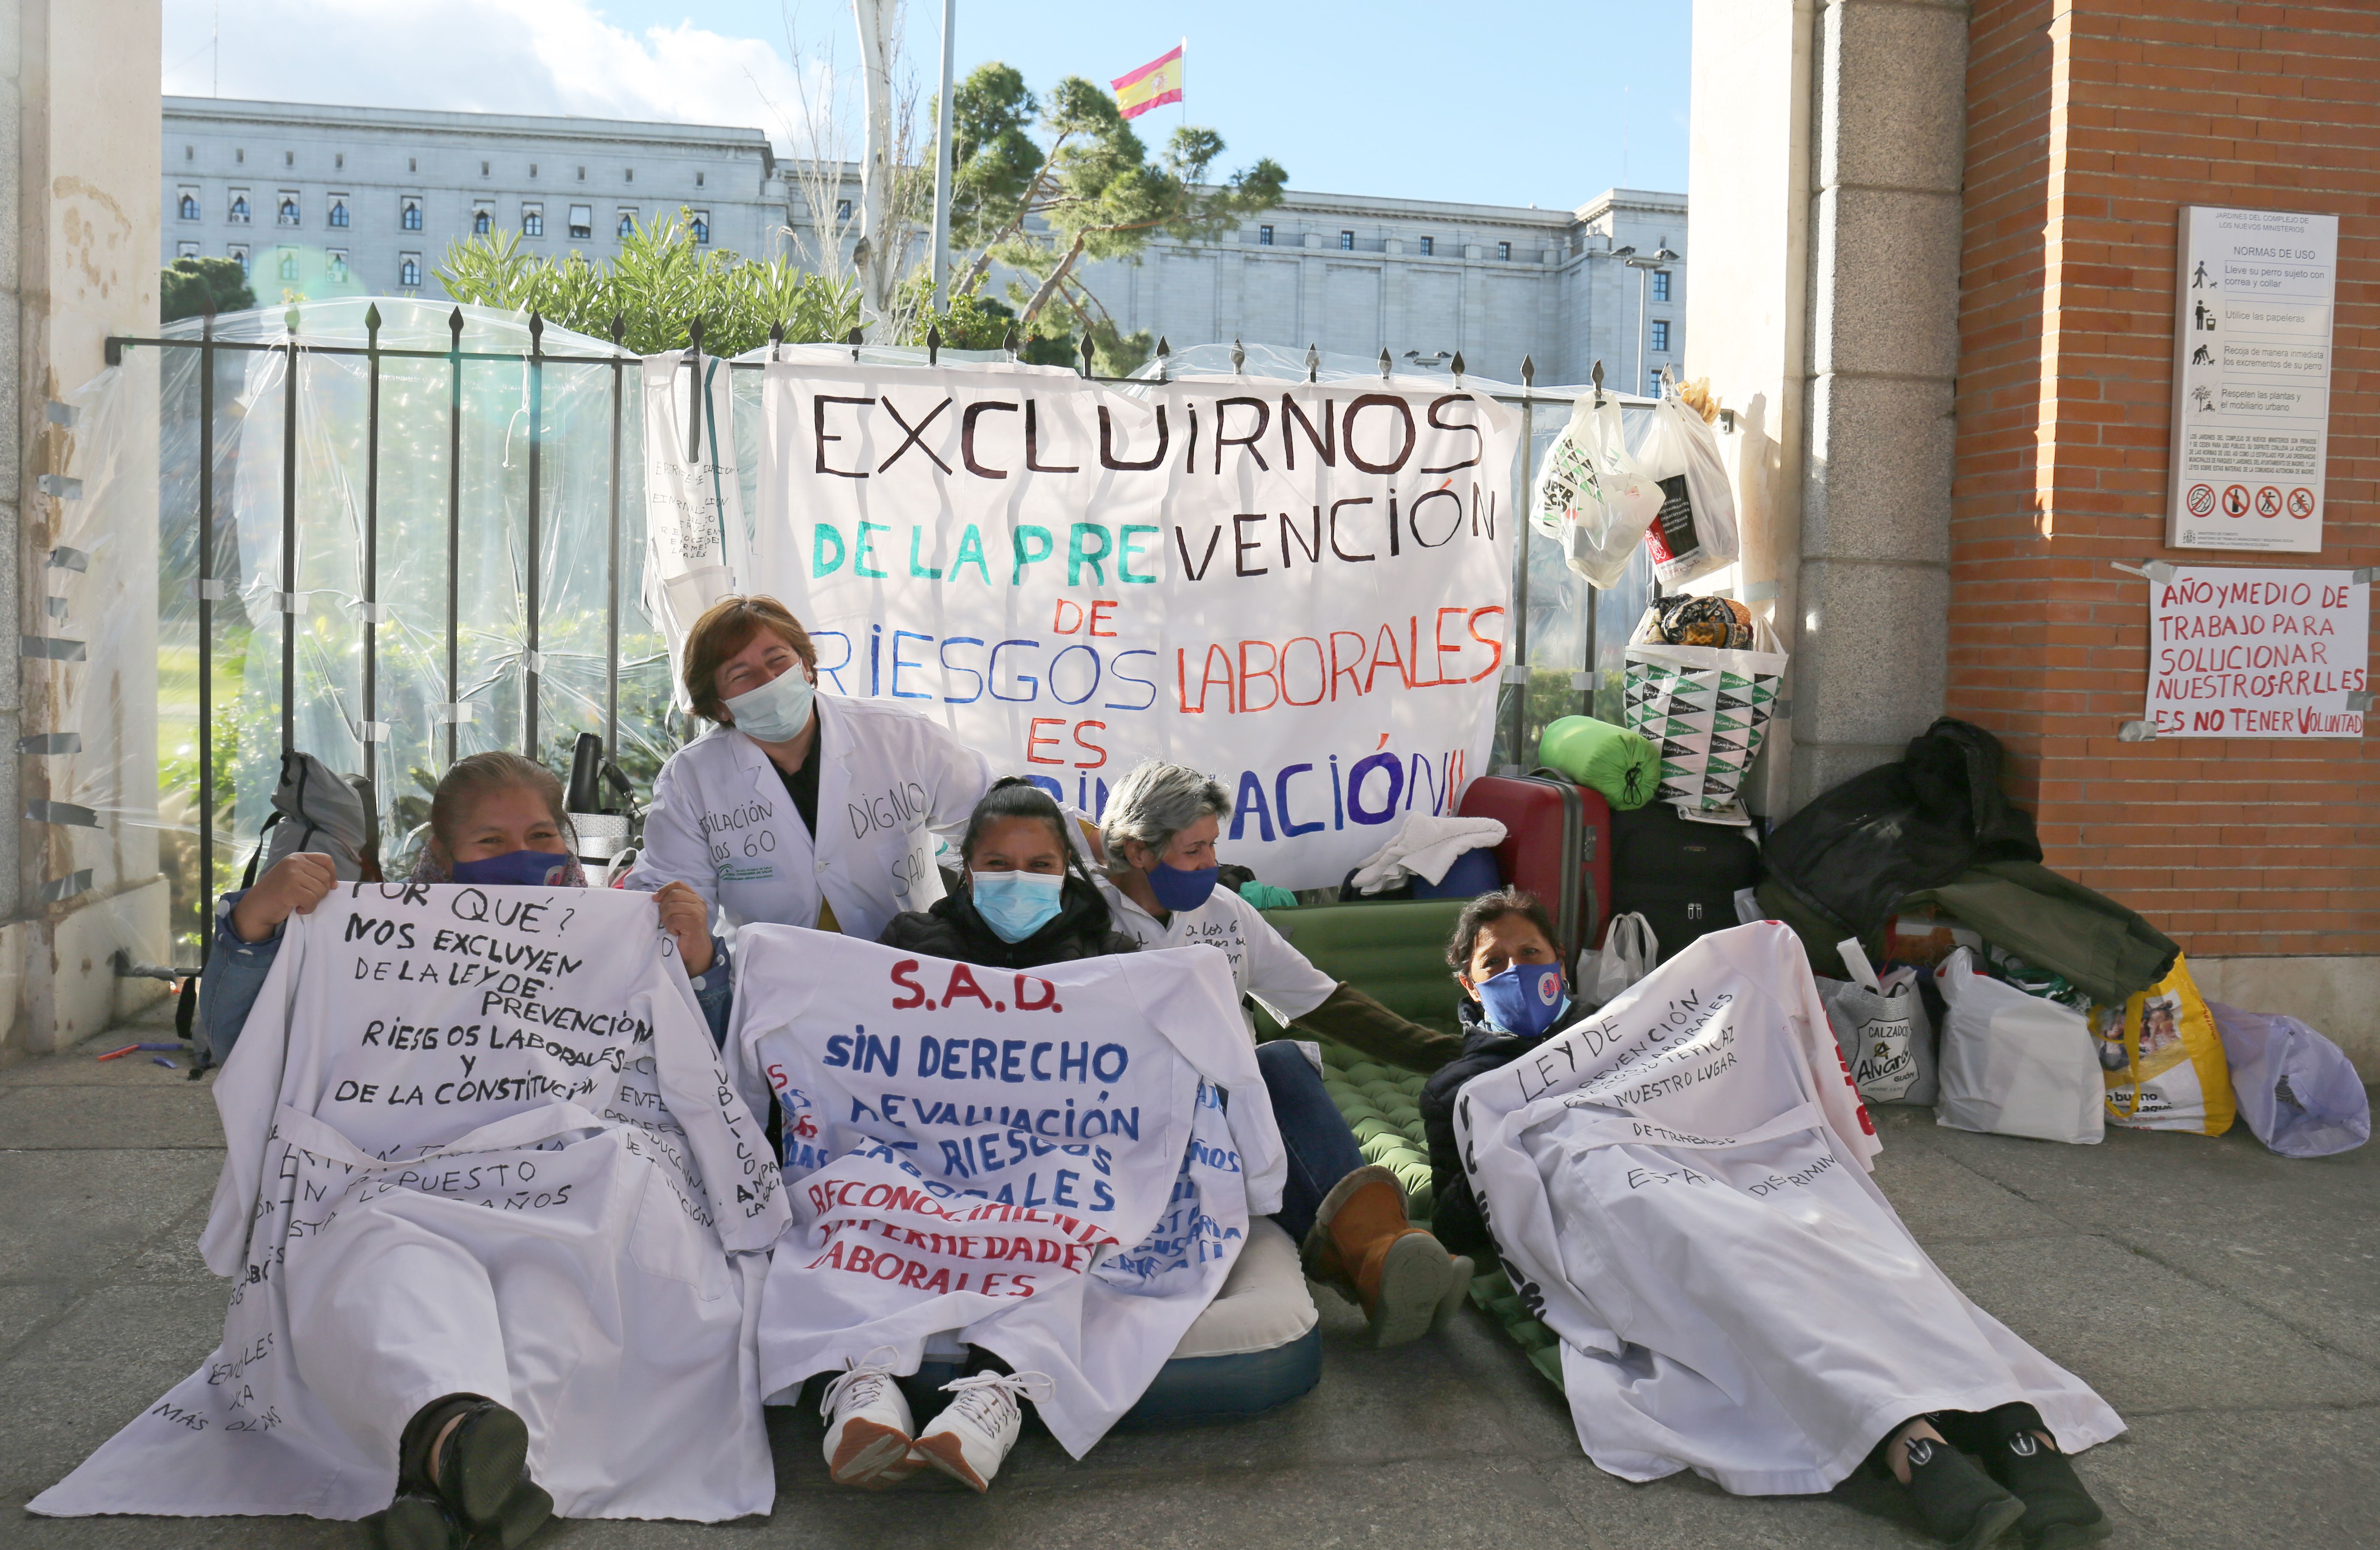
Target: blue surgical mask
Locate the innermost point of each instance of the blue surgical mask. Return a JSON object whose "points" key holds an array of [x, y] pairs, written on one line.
{"points": [[777, 710], [1182, 888], [1525, 999], [1016, 904], [517, 868]]}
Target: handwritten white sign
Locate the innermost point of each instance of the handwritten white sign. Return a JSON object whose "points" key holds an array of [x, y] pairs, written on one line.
{"points": [[2259, 653]]}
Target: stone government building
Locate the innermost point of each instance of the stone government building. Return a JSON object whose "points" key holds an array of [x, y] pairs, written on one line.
{"points": [[322, 201]]}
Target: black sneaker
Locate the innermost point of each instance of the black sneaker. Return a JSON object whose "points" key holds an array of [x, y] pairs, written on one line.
{"points": [[2058, 1513], [1960, 1505], [480, 1469]]}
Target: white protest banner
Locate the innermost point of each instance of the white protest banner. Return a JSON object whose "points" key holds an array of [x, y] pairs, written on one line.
{"points": [[2253, 299], [1300, 589], [1679, 1187], [1040, 1161], [694, 506], [2259, 653], [478, 1141]]}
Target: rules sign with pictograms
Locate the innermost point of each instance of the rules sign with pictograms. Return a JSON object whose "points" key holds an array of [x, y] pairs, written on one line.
{"points": [[2253, 293]]}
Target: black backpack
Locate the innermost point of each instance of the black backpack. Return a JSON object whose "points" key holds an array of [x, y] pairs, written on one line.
{"points": [[1681, 876]]}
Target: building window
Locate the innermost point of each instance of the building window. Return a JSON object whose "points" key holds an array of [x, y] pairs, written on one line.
{"points": [[408, 212], [339, 161], [239, 155], [1504, 250], [189, 205], [338, 266], [186, 249], [289, 158], [582, 222], [189, 153], [702, 228], [1653, 383], [1660, 331], [843, 210], [483, 220], [408, 270], [288, 267], [1264, 236], [1428, 246], [532, 220], [532, 169], [582, 175], [338, 216], [288, 214], [1346, 242], [238, 253], [632, 175], [628, 224], [697, 180], [413, 164], [238, 210], [1661, 284], [483, 169]]}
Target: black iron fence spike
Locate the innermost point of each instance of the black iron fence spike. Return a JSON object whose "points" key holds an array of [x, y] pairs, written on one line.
{"points": [[1087, 355], [1458, 368], [455, 325], [1528, 371], [1239, 357], [1008, 342], [537, 333], [619, 328], [371, 320], [1312, 363], [934, 346], [1164, 346]]}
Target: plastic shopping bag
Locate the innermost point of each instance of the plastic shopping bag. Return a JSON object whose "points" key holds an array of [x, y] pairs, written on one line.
{"points": [[2164, 1059], [1693, 533], [2299, 1092], [2014, 1063], [1630, 951], [1881, 1027], [1591, 494]]}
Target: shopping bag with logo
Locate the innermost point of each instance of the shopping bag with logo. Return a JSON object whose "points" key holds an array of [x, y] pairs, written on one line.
{"points": [[2164, 1059], [1630, 950], [1592, 496], [2298, 1091], [2013, 1063], [1704, 708], [1881, 1027], [1693, 534]]}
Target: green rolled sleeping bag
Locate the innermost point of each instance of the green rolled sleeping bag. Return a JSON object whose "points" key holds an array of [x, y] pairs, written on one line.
{"points": [[1612, 759]]}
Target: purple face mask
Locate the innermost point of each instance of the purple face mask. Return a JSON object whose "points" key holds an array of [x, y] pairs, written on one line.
{"points": [[516, 869]]}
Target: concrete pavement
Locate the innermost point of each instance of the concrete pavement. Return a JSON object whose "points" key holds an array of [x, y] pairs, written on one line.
{"points": [[2226, 1301]]}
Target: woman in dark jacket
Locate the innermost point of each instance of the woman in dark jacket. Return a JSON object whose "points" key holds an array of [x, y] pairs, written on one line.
{"points": [[1025, 900]]}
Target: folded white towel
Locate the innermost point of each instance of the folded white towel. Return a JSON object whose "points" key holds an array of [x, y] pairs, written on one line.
{"points": [[1424, 846]]}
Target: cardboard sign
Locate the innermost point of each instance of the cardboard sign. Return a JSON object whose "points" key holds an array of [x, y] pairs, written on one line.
{"points": [[2252, 300], [2259, 653]]}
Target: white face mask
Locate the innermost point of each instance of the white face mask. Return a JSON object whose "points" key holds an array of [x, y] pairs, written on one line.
{"points": [[777, 710]]}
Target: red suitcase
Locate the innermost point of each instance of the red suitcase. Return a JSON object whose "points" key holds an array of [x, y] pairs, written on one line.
{"points": [[1557, 846]]}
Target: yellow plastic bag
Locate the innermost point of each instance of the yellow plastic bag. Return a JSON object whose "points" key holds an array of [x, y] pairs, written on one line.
{"points": [[2164, 1059]]}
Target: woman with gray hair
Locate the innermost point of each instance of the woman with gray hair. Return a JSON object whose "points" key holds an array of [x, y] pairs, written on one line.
{"points": [[1158, 834]]}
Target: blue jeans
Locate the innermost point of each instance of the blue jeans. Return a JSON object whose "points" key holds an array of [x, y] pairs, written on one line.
{"points": [[1321, 1148]]}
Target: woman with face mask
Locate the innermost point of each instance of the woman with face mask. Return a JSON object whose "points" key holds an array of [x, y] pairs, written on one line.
{"points": [[1158, 834], [1024, 899], [802, 805], [495, 820]]}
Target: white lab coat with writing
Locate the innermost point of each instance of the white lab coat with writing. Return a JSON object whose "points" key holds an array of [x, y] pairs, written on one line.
{"points": [[478, 1142], [1678, 1187], [1042, 1161], [891, 781], [1264, 965]]}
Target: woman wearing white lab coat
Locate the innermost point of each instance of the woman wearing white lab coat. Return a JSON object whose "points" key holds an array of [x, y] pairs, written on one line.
{"points": [[799, 808]]}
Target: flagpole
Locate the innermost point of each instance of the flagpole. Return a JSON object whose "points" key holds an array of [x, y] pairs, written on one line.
{"points": [[942, 167]]}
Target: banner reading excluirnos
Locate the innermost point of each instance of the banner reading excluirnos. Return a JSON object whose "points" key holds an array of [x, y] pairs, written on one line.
{"points": [[1299, 587]]}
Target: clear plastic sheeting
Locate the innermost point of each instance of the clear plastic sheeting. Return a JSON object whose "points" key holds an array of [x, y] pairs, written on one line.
{"points": [[384, 589]]}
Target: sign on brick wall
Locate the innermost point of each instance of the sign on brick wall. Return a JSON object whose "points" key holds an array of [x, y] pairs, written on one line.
{"points": [[2235, 652], [2251, 379]]}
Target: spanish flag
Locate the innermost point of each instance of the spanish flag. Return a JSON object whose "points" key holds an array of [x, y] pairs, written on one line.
{"points": [[1153, 85]]}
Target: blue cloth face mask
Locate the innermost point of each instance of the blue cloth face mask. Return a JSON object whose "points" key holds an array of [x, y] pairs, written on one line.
{"points": [[1016, 904], [777, 710], [1525, 999], [517, 870], [1182, 888]]}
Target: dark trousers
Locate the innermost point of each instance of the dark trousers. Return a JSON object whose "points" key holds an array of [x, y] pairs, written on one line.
{"points": [[1321, 1148]]}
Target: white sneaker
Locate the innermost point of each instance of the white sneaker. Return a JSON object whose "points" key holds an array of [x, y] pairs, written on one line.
{"points": [[868, 1425], [968, 1440]]}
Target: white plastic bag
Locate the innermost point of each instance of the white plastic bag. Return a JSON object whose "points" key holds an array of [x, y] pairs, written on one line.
{"points": [[2013, 1063], [1592, 495], [1693, 534], [1630, 951], [1881, 1027]]}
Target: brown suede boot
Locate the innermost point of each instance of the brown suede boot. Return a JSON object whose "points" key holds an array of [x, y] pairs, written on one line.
{"points": [[1364, 1247]]}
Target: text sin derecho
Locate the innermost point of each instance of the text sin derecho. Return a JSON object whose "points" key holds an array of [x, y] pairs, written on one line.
{"points": [[481, 951], [1422, 506]]}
